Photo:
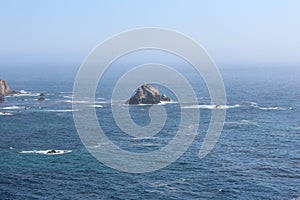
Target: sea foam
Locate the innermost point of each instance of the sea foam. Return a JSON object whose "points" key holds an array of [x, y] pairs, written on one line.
{"points": [[47, 152]]}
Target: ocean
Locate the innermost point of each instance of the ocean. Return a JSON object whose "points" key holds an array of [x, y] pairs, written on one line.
{"points": [[256, 157]]}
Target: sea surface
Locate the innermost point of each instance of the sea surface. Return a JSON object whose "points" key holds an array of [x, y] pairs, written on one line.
{"points": [[256, 157]]}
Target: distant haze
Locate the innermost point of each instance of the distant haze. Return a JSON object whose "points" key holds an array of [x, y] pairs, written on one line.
{"points": [[55, 34]]}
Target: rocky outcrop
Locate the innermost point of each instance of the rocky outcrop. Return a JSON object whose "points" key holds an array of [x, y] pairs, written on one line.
{"points": [[42, 97], [4, 88], [147, 94]]}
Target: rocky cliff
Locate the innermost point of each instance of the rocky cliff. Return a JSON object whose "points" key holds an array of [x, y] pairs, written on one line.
{"points": [[4, 88], [147, 94]]}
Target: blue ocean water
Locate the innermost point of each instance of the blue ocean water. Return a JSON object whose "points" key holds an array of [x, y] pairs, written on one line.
{"points": [[256, 157]]}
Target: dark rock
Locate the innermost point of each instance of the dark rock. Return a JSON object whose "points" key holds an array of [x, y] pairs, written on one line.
{"points": [[1, 97], [147, 94], [51, 151], [15, 92], [42, 94], [164, 98], [41, 98]]}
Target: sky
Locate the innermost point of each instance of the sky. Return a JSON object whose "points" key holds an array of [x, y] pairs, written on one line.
{"points": [[55, 33]]}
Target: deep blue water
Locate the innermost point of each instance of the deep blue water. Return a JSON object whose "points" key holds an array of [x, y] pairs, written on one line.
{"points": [[256, 157]]}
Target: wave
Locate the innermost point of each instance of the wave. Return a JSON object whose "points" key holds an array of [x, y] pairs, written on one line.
{"points": [[255, 105], [71, 101], [62, 110], [271, 108], [99, 145], [5, 113], [13, 108], [84, 101], [211, 106], [25, 93], [142, 138], [296, 198], [48, 152], [144, 104], [242, 122], [66, 92], [167, 102], [68, 97], [150, 145], [97, 106], [146, 145]]}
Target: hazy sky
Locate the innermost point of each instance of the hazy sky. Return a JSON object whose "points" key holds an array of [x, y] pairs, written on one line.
{"points": [[62, 33]]}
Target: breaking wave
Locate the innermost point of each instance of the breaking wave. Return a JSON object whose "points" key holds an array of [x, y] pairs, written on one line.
{"points": [[48, 152], [13, 108], [211, 106], [5, 113], [62, 110], [255, 105]]}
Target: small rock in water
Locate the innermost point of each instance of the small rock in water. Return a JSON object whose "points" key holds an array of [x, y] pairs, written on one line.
{"points": [[41, 98], [147, 94], [51, 151], [164, 98], [1, 97]]}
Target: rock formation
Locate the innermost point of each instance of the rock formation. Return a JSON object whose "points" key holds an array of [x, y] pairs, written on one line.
{"points": [[4, 88], [147, 94], [42, 97]]}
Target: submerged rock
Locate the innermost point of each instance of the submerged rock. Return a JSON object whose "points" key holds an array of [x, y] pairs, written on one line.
{"points": [[1, 97], [164, 98], [41, 98], [147, 94]]}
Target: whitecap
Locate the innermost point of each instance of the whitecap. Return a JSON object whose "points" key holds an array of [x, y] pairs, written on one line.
{"points": [[271, 108], [75, 110], [167, 102], [141, 104], [142, 138], [23, 92], [5, 113], [99, 145], [161, 103], [84, 101], [97, 106], [13, 108], [71, 101], [255, 105], [68, 97], [150, 145], [298, 198], [241, 122], [27, 94], [48, 152], [211, 106]]}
